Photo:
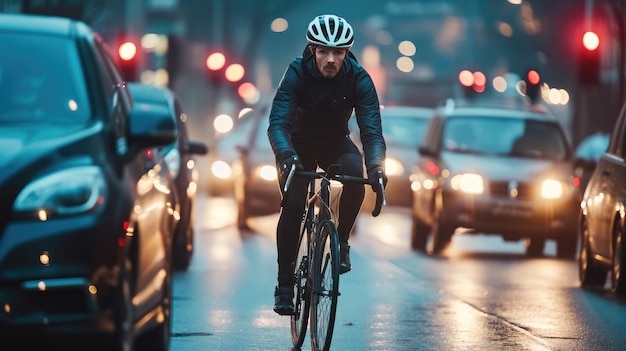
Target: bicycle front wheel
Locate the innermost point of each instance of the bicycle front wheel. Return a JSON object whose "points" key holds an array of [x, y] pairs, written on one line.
{"points": [[325, 287], [301, 291]]}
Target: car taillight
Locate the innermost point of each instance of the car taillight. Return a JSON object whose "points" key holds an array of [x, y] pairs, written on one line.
{"points": [[432, 168]]}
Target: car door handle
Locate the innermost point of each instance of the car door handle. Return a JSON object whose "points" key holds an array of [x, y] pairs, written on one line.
{"points": [[606, 173]]}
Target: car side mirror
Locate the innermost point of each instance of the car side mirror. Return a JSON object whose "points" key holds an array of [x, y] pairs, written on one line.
{"points": [[197, 148], [150, 126], [425, 150]]}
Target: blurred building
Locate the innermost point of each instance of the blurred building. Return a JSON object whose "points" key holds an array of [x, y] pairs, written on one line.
{"points": [[414, 49]]}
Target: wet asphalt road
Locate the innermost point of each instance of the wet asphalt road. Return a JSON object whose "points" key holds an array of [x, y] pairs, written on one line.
{"points": [[482, 294]]}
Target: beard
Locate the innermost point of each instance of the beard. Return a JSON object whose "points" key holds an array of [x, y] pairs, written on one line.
{"points": [[329, 71]]}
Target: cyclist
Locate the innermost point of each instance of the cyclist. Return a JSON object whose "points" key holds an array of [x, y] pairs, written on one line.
{"points": [[309, 127]]}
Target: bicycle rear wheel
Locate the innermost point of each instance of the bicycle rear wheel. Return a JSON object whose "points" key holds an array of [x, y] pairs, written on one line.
{"points": [[325, 287], [301, 292]]}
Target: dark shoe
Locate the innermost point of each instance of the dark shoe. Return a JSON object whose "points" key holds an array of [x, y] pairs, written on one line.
{"points": [[283, 300], [344, 258]]}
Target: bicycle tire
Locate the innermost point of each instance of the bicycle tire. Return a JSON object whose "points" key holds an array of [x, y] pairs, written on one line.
{"points": [[325, 286], [302, 288]]}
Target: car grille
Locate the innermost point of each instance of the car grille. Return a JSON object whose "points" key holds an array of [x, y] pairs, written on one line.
{"points": [[512, 189]]}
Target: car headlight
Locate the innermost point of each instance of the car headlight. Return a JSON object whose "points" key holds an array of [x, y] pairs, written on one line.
{"points": [[69, 191], [221, 170], [469, 183], [551, 189], [267, 173], [393, 167]]}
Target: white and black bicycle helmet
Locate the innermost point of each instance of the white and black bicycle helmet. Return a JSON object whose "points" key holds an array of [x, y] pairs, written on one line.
{"points": [[330, 30]]}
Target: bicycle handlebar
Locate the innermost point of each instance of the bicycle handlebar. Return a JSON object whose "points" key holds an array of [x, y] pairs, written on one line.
{"points": [[380, 197]]}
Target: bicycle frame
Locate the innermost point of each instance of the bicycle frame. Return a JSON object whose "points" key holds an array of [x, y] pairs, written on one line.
{"points": [[317, 263]]}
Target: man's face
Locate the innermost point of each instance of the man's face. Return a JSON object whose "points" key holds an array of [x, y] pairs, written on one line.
{"points": [[329, 60]]}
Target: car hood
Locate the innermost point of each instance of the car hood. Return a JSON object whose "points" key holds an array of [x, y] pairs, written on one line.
{"points": [[22, 145], [495, 167]]}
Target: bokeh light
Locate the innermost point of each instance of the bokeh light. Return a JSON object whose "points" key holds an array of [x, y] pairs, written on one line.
{"points": [[405, 64], [215, 61], [407, 48], [279, 25], [591, 41], [249, 93], [127, 51], [466, 78], [223, 123], [235, 72], [479, 78], [499, 84]]}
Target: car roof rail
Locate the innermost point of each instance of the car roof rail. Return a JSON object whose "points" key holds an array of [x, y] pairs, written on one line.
{"points": [[450, 104]]}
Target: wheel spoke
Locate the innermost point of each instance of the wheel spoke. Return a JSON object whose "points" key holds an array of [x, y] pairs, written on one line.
{"points": [[302, 295], [326, 283]]}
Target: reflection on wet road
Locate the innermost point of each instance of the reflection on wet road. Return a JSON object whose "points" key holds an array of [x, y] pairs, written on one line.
{"points": [[482, 294]]}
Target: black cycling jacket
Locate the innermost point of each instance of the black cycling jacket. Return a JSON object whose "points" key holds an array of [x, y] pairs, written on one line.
{"points": [[315, 110]]}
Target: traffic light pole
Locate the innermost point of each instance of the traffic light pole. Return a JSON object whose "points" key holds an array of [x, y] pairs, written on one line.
{"points": [[588, 13]]}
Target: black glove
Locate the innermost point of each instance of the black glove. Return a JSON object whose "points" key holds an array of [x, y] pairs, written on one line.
{"points": [[284, 163], [374, 174]]}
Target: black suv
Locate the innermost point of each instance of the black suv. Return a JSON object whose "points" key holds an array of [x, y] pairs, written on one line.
{"points": [[494, 170], [85, 225], [178, 158]]}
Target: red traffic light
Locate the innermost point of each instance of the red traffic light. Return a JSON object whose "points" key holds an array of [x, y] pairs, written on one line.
{"points": [[591, 41], [533, 77], [129, 59], [533, 90], [127, 51]]}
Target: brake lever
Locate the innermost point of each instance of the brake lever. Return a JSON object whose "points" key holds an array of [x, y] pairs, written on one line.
{"points": [[292, 171], [382, 190]]}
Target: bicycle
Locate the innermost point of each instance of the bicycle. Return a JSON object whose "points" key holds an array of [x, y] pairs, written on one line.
{"points": [[317, 271]]}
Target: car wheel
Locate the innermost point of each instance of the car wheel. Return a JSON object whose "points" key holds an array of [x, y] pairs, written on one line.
{"points": [[419, 234], [589, 274], [535, 246], [440, 235], [618, 280], [183, 244], [124, 336]]}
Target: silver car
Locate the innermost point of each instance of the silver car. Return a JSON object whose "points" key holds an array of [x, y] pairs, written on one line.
{"points": [[602, 221], [494, 170]]}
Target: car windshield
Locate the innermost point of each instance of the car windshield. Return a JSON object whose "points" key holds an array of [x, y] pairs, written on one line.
{"points": [[504, 136], [405, 131], [40, 80]]}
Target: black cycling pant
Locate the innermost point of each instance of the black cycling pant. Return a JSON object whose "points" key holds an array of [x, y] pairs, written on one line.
{"points": [[343, 153]]}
